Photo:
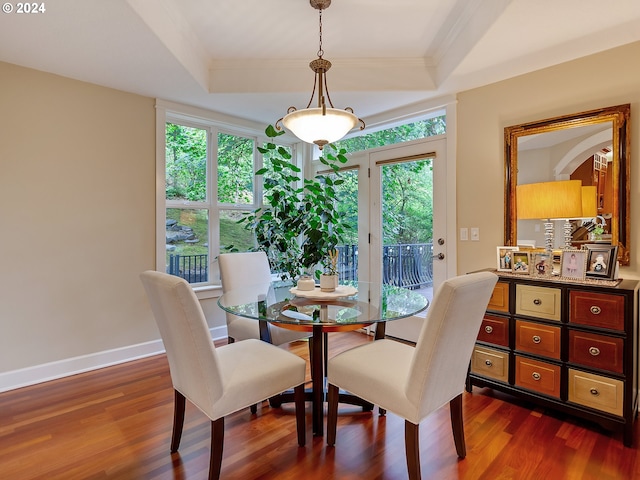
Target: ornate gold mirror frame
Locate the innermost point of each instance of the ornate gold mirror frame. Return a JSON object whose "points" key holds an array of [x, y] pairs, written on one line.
{"points": [[618, 167]]}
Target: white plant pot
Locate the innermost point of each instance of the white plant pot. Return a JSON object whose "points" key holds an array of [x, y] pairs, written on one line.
{"points": [[306, 283], [328, 283]]}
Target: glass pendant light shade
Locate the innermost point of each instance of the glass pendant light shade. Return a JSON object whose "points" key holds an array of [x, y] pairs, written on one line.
{"points": [[323, 124], [312, 125]]}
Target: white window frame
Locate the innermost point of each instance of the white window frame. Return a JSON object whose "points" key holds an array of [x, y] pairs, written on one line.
{"points": [[213, 124]]}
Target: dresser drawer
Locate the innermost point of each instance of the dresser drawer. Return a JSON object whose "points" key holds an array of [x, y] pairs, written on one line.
{"points": [[541, 302], [494, 330], [597, 351], [539, 376], [596, 391], [499, 300], [536, 338], [490, 363], [596, 309]]}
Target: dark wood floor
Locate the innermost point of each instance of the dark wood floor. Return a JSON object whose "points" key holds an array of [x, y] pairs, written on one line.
{"points": [[115, 423]]}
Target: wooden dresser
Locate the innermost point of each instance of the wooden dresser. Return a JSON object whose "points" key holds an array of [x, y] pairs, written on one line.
{"points": [[572, 347]]}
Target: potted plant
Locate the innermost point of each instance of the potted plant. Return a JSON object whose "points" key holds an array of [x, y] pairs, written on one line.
{"points": [[329, 278], [298, 223]]}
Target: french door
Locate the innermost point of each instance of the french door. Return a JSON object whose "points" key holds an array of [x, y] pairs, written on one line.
{"points": [[403, 208]]}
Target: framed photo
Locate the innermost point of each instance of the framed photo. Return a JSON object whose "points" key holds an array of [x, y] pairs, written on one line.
{"points": [[542, 265], [505, 258], [601, 260], [573, 264], [521, 261]]}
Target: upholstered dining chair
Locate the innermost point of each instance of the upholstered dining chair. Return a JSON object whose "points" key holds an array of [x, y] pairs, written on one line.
{"points": [[414, 382], [244, 270], [218, 381]]}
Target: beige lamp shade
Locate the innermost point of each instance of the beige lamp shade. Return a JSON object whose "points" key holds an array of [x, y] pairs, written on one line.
{"points": [[561, 199], [589, 202]]}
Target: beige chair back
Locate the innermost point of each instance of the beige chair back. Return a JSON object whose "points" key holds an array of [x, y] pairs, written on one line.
{"points": [[246, 270], [250, 272], [185, 334], [444, 347]]}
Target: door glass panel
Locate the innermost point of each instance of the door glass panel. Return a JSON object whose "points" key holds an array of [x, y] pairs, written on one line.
{"points": [[407, 224], [347, 205]]}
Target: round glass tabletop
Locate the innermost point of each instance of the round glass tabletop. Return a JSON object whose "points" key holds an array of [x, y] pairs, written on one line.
{"points": [[353, 303]]}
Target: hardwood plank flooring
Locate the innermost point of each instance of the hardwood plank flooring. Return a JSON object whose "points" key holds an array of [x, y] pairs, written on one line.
{"points": [[115, 423]]}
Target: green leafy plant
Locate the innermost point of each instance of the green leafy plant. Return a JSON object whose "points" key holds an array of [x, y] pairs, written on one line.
{"points": [[330, 263], [298, 223]]}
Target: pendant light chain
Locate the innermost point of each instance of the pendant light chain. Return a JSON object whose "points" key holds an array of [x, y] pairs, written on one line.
{"points": [[320, 51], [322, 124]]}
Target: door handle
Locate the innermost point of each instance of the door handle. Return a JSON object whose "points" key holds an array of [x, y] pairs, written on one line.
{"points": [[439, 256]]}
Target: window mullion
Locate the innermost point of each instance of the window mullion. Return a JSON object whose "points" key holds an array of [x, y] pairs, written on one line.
{"points": [[214, 210]]}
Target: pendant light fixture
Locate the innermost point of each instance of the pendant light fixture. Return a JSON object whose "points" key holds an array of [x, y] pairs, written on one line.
{"points": [[322, 124]]}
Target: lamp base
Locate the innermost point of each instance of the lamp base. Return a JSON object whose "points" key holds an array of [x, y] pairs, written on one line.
{"points": [[548, 236], [568, 237]]}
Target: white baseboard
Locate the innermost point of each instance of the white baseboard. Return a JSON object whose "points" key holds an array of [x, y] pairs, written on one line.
{"points": [[71, 366]]}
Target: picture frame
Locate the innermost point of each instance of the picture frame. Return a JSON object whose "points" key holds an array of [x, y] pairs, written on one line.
{"points": [[505, 258], [542, 265], [521, 263], [573, 264], [601, 261]]}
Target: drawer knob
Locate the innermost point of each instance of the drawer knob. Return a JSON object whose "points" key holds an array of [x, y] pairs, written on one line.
{"points": [[595, 351], [536, 339], [488, 329], [537, 301], [594, 392], [595, 309], [536, 376], [488, 363]]}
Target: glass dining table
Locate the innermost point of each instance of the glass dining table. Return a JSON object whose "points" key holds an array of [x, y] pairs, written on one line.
{"points": [[353, 305]]}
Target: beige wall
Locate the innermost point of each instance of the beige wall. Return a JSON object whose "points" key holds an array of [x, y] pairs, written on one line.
{"points": [[606, 79], [77, 175], [77, 217]]}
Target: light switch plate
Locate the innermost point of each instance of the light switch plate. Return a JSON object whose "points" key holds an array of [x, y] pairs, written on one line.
{"points": [[475, 234], [464, 234]]}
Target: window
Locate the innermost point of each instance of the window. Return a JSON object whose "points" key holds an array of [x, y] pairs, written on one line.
{"points": [[209, 183], [207, 168], [428, 127]]}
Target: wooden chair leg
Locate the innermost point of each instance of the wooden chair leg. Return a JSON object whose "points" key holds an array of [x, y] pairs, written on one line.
{"points": [[179, 403], [298, 396], [457, 424], [217, 445], [412, 448], [332, 414]]}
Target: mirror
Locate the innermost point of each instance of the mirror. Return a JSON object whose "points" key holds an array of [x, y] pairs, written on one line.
{"points": [[591, 146]]}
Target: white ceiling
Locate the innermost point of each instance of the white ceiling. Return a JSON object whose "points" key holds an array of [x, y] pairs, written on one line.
{"points": [[249, 58]]}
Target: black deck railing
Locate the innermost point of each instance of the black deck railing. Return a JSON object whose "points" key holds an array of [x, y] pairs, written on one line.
{"points": [[404, 265], [408, 265], [193, 268]]}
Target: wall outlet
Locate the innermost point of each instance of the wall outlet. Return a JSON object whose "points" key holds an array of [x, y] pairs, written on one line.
{"points": [[475, 234]]}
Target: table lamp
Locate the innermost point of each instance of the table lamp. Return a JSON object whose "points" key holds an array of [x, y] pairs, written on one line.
{"points": [[589, 202], [589, 211], [547, 201]]}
